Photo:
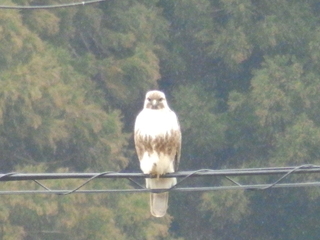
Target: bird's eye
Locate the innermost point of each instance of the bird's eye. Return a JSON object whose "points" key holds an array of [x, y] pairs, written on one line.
{"points": [[161, 99], [149, 99]]}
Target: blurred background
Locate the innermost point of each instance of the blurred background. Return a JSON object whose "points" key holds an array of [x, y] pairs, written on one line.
{"points": [[242, 76]]}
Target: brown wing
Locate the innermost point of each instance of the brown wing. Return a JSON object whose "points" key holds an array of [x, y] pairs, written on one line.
{"points": [[168, 143], [177, 137], [139, 144]]}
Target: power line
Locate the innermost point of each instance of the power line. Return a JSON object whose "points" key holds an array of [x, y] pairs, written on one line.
{"points": [[182, 176], [307, 168], [51, 6], [252, 187]]}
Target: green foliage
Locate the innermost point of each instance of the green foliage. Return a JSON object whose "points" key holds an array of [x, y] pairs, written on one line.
{"points": [[135, 63], [222, 206], [140, 70], [276, 89], [244, 135], [77, 216], [299, 144], [243, 77], [65, 75], [198, 116], [55, 117], [43, 22], [17, 42], [256, 62]]}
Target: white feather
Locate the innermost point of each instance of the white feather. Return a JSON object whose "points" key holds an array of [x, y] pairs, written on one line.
{"points": [[155, 123], [160, 163]]}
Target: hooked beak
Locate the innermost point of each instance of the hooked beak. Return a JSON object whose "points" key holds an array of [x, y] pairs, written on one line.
{"points": [[154, 104]]}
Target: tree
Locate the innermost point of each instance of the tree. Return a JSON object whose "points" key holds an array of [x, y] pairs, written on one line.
{"points": [[243, 77], [77, 216]]}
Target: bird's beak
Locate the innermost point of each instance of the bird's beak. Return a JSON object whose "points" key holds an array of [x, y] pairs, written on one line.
{"points": [[154, 103]]}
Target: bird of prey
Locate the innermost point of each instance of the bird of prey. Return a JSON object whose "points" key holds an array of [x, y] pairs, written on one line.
{"points": [[157, 139]]}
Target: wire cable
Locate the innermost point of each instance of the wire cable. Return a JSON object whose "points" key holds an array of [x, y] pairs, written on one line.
{"points": [[227, 173], [51, 6], [182, 189], [85, 183], [303, 169]]}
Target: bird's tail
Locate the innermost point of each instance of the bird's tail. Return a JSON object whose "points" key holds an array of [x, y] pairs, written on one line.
{"points": [[159, 201]]}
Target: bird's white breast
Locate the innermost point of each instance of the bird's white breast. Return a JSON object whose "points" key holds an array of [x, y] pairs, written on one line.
{"points": [[156, 122], [153, 124]]}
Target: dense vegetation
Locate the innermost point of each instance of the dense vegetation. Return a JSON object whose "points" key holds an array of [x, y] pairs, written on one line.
{"points": [[243, 77]]}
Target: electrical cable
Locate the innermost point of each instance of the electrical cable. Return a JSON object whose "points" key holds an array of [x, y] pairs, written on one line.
{"points": [[182, 189], [303, 169], [51, 6], [226, 173]]}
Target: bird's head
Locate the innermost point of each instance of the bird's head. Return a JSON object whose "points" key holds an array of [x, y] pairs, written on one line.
{"points": [[155, 100]]}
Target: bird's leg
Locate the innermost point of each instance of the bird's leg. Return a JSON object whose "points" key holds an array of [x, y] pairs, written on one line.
{"points": [[153, 171]]}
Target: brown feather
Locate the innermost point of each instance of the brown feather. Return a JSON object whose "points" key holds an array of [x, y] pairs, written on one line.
{"points": [[169, 143], [157, 140]]}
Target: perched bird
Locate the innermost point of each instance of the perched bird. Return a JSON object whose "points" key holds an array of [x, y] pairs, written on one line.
{"points": [[157, 139]]}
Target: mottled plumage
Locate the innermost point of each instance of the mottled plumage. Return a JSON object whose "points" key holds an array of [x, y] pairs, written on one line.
{"points": [[157, 139]]}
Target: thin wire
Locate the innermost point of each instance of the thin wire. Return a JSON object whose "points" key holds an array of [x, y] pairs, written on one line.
{"points": [[85, 183], [51, 6], [197, 173], [3, 176], [306, 166], [183, 189], [283, 177], [135, 182], [287, 171], [263, 187], [43, 186]]}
